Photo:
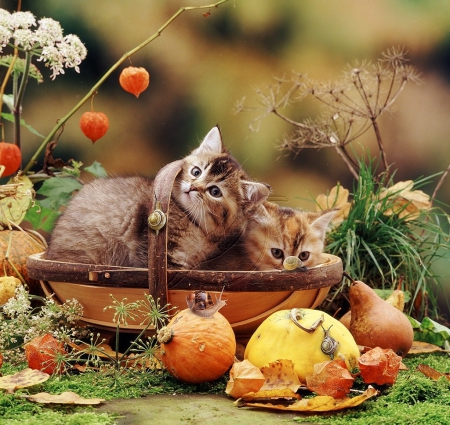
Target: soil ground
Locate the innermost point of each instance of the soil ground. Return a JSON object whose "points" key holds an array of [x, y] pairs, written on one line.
{"points": [[191, 409]]}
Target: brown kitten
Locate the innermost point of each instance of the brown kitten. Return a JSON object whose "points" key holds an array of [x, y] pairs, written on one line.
{"points": [[106, 222], [274, 234]]}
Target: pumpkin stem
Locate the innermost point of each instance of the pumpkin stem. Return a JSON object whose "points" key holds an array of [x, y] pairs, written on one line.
{"points": [[165, 334]]}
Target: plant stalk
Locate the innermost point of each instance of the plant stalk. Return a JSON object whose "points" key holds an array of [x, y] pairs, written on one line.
{"points": [[94, 89]]}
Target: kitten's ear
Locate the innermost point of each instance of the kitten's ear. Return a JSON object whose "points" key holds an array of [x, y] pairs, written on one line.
{"points": [[211, 144], [255, 192], [321, 223]]}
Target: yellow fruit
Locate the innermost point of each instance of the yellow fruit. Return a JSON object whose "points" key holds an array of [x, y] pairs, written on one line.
{"points": [[278, 337], [8, 285]]}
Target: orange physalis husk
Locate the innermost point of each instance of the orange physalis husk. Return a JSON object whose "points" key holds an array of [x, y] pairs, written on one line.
{"points": [[10, 157], [41, 353], [94, 125], [379, 366], [134, 80], [330, 378], [244, 378]]}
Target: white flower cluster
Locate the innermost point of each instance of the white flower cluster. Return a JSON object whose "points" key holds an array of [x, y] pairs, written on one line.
{"points": [[47, 41]]}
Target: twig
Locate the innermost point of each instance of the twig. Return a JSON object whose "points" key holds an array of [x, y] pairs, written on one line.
{"points": [[440, 183], [108, 73]]}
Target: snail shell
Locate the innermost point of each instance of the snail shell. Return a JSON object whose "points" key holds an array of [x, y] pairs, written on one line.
{"points": [[292, 262], [157, 219], [329, 345], [201, 303]]}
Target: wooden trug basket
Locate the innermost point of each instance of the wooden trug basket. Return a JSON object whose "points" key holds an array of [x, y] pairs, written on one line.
{"points": [[251, 295]]}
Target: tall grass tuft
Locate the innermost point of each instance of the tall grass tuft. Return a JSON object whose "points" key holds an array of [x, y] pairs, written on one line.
{"points": [[387, 249]]}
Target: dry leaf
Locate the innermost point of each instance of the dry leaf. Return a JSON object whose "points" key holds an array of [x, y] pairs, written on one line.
{"points": [[337, 198], [420, 347], [379, 366], [24, 378], [244, 378], [67, 397], [280, 374], [432, 373], [266, 395], [101, 350], [404, 201], [330, 378], [319, 403]]}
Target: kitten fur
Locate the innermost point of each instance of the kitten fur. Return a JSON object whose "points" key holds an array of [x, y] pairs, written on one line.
{"points": [[274, 234], [212, 198]]}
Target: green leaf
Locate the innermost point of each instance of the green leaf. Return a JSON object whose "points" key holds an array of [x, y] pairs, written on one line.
{"points": [[97, 170], [10, 117], [41, 218], [56, 187], [430, 331]]}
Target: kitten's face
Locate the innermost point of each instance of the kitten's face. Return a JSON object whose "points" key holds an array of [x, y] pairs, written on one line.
{"points": [[213, 189], [282, 232]]}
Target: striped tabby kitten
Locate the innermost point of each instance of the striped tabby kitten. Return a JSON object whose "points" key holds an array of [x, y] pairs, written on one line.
{"points": [[274, 234], [106, 222]]}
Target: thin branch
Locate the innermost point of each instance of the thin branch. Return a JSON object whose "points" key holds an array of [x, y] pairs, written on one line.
{"points": [[95, 88], [17, 112], [440, 183], [343, 154]]}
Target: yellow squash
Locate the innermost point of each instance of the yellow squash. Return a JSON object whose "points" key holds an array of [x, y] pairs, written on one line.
{"points": [[279, 337]]}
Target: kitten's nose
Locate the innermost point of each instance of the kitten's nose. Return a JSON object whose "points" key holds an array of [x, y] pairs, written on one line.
{"points": [[193, 188]]}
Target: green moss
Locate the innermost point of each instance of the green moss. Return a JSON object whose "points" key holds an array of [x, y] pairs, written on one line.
{"points": [[413, 399]]}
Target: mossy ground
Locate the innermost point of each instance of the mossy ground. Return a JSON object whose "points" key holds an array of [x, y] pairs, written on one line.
{"points": [[414, 399]]}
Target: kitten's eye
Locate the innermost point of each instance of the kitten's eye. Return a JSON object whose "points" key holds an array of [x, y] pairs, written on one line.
{"points": [[215, 191], [304, 255], [196, 171], [277, 253]]}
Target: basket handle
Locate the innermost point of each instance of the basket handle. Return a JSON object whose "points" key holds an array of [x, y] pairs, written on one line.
{"points": [[157, 240]]}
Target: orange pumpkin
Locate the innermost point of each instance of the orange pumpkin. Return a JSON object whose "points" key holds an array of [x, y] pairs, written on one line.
{"points": [[197, 349], [23, 244], [41, 353]]}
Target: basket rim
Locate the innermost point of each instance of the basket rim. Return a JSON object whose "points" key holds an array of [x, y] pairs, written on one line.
{"points": [[324, 275]]}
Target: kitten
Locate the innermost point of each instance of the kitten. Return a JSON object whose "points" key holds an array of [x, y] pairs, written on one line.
{"points": [[274, 234], [212, 197]]}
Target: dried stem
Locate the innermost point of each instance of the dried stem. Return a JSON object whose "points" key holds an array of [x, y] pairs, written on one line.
{"points": [[96, 86], [440, 183]]}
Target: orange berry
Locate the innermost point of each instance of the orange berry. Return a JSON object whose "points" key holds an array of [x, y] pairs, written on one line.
{"points": [[134, 80], [41, 353], [94, 125], [10, 157]]}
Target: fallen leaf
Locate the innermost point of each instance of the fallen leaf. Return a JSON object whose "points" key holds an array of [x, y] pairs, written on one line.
{"points": [[101, 350], [280, 374], [432, 373], [319, 403], [244, 378], [23, 379], [330, 378], [67, 397], [421, 347], [379, 366], [266, 395]]}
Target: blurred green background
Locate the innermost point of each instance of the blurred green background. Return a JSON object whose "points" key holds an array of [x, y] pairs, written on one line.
{"points": [[200, 66]]}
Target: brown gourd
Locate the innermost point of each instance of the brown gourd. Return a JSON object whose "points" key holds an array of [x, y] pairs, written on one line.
{"points": [[197, 349]]}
